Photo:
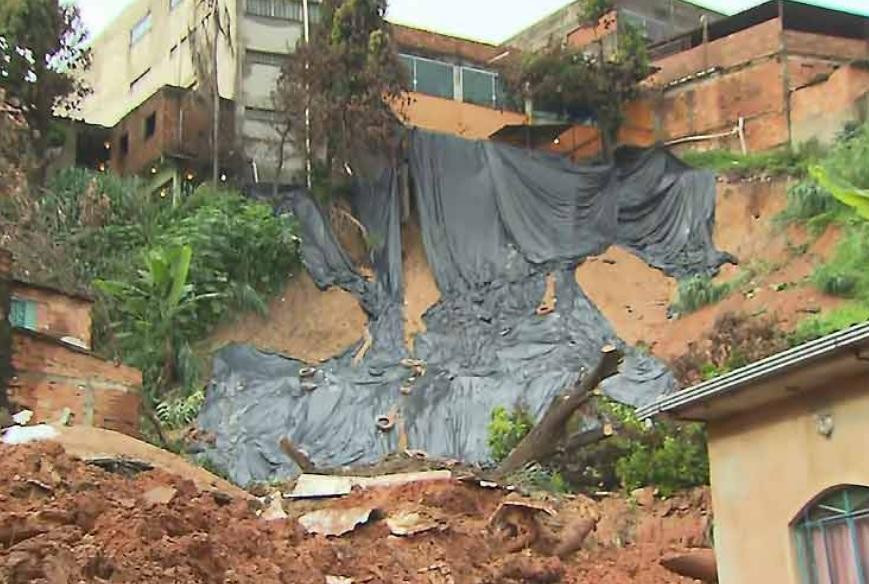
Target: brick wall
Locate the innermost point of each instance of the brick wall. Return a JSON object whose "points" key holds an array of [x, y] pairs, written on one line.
{"points": [[58, 314], [427, 43], [51, 376], [741, 47], [821, 45], [585, 34], [715, 104], [182, 129], [803, 71], [819, 111]]}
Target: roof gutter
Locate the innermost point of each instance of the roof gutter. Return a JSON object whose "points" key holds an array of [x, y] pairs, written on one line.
{"points": [[763, 369]]}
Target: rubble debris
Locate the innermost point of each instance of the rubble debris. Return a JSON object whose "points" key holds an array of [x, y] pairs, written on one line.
{"points": [[698, 564], [315, 486], [297, 455], [122, 466], [25, 434], [529, 569], [275, 510], [307, 372], [386, 422], [93, 527], [409, 522], [310, 486], [161, 495], [573, 536], [23, 417], [91, 444], [335, 522]]}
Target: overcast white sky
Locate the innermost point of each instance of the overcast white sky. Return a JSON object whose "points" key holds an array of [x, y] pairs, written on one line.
{"points": [[486, 20]]}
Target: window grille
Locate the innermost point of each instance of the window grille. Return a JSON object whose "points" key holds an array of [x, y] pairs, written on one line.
{"points": [[833, 538]]}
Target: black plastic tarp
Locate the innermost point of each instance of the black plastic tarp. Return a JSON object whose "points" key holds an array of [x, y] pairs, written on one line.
{"points": [[496, 220]]}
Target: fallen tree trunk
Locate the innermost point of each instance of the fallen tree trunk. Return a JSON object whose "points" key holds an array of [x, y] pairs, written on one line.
{"points": [[543, 440]]}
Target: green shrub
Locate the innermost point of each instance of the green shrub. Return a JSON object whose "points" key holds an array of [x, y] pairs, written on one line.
{"points": [[698, 291], [506, 429], [666, 456], [180, 410], [819, 325], [678, 461], [115, 232], [847, 273], [809, 203]]}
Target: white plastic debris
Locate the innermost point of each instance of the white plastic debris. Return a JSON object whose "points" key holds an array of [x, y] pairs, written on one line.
{"points": [[23, 417], [25, 434]]}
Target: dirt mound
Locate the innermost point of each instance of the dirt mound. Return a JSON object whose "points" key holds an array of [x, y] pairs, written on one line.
{"points": [[65, 521]]}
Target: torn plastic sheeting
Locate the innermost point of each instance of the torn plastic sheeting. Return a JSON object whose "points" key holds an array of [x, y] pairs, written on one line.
{"points": [[495, 221]]}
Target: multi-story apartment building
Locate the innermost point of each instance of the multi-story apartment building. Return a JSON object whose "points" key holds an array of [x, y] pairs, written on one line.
{"points": [[143, 73], [153, 44]]}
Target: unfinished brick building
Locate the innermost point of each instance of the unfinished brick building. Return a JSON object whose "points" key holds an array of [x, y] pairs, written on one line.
{"points": [[47, 363], [777, 66]]}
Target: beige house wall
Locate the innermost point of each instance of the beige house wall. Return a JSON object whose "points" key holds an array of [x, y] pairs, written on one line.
{"points": [[768, 465]]}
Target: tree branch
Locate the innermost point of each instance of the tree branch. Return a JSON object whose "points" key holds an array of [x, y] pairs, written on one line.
{"points": [[542, 441]]}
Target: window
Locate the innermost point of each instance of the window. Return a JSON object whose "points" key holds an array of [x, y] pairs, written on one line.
{"points": [[23, 313], [140, 29], [150, 125], [479, 87], [833, 538], [284, 9], [124, 146], [174, 3], [430, 77]]}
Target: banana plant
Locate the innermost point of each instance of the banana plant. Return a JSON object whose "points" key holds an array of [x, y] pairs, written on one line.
{"points": [[153, 311], [850, 195]]}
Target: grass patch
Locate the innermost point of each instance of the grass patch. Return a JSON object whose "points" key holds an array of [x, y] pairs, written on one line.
{"points": [[698, 291], [847, 274], [811, 205], [820, 325], [781, 162]]}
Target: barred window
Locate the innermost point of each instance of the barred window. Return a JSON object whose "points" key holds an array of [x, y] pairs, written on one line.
{"points": [[23, 313], [479, 87], [833, 538], [283, 9]]}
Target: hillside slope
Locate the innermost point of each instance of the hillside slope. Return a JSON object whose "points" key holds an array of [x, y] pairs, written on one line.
{"points": [[775, 263]]}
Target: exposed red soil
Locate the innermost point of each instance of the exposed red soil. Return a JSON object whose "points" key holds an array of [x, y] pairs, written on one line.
{"points": [[635, 298], [314, 325], [63, 521]]}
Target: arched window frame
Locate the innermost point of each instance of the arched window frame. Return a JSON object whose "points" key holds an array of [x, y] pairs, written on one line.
{"points": [[843, 505]]}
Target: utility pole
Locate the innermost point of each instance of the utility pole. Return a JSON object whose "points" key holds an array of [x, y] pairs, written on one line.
{"points": [[307, 25]]}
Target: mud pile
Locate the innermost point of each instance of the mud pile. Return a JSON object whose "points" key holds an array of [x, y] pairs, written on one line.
{"points": [[63, 521]]}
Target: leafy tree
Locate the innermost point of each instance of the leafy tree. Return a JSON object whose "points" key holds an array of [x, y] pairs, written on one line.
{"points": [[593, 10], [43, 53], [346, 81], [575, 81]]}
